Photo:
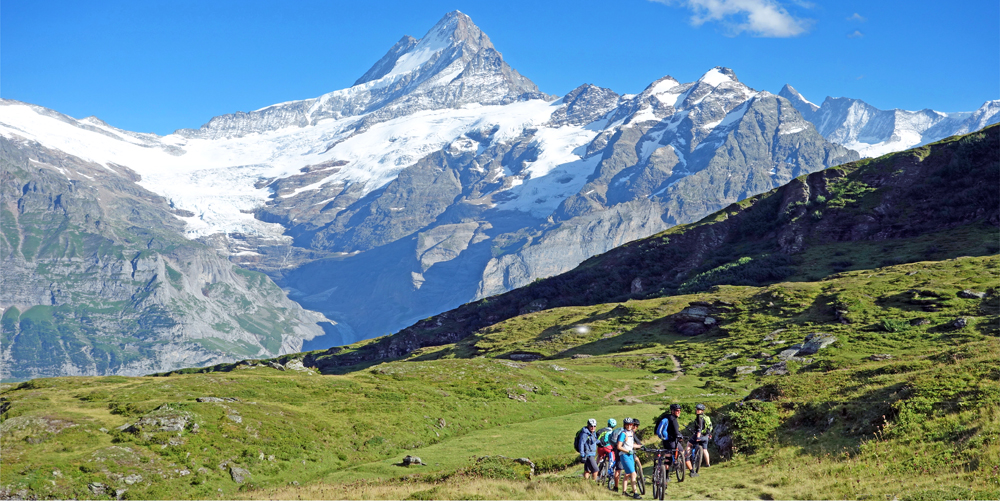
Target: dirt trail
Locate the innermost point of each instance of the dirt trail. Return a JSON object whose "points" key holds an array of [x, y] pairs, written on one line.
{"points": [[677, 369]]}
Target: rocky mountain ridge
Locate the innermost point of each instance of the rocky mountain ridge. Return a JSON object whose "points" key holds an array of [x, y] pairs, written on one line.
{"points": [[873, 132]]}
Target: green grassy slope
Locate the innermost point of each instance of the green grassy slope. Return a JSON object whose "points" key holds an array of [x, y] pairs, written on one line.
{"points": [[919, 425]]}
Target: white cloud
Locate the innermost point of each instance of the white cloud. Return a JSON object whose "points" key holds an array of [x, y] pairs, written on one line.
{"points": [[857, 17], [763, 18], [855, 34]]}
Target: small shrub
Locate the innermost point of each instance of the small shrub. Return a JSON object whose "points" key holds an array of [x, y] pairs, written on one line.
{"points": [[752, 424], [894, 325]]}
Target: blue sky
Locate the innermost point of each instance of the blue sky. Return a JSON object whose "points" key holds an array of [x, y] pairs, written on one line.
{"points": [[160, 65]]}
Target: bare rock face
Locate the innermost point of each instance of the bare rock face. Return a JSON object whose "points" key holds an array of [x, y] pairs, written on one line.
{"points": [[125, 292]]}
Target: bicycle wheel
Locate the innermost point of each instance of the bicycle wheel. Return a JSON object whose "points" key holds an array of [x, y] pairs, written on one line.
{"points": [[678, 465], [659, 481], [640, 479], [611, 478], [602, 470], [699, 454]]}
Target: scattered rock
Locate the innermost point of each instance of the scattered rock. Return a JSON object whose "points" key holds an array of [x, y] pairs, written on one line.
{"points": [[762, 355], [217, 399], [525, 357], [164, 418], [971, 294], [412, 460], [960, 323], [96, 488], [919, 321], [699, 365], [692, 313], [239, 474], [276, 365], [772, 336], [119, 493], [842, 316], [637, 285], [132, 479], [581, 355], [706, 304], [789, 353], [692, 328], [709, 321], [878, 357], [728, 356], [235, 417], [817, 341], [778, 369], [514, 396], [442, 423], [745, 369], [558, 368]]}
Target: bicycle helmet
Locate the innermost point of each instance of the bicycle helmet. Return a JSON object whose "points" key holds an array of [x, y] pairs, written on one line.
{"points": [[627, 420], [635, 421], [700, 407], [591, 422], [675, 407], [612, 423]]}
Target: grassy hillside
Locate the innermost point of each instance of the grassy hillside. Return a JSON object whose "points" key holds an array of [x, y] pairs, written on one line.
{"points": [[920, 424]]}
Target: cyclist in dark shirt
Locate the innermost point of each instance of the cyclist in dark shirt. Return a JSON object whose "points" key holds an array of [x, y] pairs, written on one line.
{"points": [[669, 431]]}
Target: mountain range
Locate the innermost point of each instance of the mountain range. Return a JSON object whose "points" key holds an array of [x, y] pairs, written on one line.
{"points": [[441, 176]]}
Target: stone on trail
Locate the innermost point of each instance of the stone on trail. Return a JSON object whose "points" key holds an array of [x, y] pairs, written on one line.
{"points": [[412, 460], [971, 294]]}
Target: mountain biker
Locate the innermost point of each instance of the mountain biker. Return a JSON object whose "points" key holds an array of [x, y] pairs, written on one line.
{"points": [[613, 439], [626, 448], [701, 429], [587, 445], [670, 432], [604, 443]]}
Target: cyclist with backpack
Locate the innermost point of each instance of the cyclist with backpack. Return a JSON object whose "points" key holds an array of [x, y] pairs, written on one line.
{"points": [[613, 440], [701, 429], [626, 446], [604, 445], [586, 444], [669, 431]]}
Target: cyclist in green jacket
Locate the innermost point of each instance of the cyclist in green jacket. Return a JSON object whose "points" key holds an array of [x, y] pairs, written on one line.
{"points": [[701, 432]]}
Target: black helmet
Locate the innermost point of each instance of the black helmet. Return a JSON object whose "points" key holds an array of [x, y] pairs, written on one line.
{"points": [[675, 407], [700, 407], [635, 421], [627, 420]]}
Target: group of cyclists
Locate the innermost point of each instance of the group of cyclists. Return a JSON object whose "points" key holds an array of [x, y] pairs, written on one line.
{"points": [[617, 446]]}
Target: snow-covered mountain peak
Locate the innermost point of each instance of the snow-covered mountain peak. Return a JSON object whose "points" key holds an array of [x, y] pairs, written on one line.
{"points": [[454, 31], [717, 76], [798, 100]]}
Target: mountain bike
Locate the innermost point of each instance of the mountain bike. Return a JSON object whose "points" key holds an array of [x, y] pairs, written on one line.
{"points": [[659, 471], [639, 477], [677, 460], [697, 456], [606, 471]]}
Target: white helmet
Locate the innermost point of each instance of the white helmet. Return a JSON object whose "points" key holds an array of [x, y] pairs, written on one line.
{"points": [[591, 422]]}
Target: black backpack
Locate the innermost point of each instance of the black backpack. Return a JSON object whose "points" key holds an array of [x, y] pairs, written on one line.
{"points": [[576, 440]]}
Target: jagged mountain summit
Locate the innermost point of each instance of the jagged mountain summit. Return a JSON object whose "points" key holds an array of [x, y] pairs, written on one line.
{"points": [[873, 132], [441, 176], [454, 64]]}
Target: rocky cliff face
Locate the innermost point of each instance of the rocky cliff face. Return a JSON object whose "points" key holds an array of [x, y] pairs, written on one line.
{"points": [[98, 279]]}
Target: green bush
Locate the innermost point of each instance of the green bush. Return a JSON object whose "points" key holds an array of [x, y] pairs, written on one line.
{"points": [[752, 424], [894, 325], [499, 468]]}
